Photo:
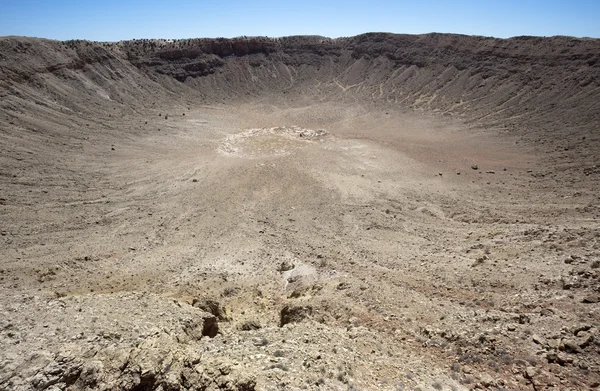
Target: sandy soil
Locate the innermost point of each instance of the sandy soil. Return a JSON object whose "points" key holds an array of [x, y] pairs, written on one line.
{"points": [[307, 240]]}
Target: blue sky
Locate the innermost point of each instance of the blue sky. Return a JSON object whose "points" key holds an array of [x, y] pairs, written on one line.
{"points": [[112, 20]]}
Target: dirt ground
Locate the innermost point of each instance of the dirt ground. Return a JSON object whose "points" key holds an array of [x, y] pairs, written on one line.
{"points": [[307, 240]]}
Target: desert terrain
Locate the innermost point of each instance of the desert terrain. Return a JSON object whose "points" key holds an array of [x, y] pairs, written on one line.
{"points": [[379, 212]]}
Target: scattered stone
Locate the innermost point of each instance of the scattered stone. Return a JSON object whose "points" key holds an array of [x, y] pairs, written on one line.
{"points": [[487, 380], [569, 346], [523, 319], [559, 358], [157, 343], [480, 261], [212, 307], [530, 372], [570, 283], [261, 342], [579, 329], [206, 326], [294, 314], [591, 299], [250, 325], [537, 339], [286, 265], [298, 292], [584, 339]]}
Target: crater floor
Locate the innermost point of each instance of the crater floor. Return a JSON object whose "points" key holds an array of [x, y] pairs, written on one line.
{"points": [[288, 241]]}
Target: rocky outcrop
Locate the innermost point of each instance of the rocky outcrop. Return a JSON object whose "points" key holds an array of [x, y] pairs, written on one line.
{"points": [[160, 362]]}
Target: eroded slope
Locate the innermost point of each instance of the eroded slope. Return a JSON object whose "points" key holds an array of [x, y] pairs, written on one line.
{"points": [[375, 212]]}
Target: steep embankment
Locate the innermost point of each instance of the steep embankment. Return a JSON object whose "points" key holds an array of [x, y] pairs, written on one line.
{"points": [[540, 81], [540, 88], [379, 212], [545, 90]]}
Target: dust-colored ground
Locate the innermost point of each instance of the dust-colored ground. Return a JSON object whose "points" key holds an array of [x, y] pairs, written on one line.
{"points": [[161, 232]]}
